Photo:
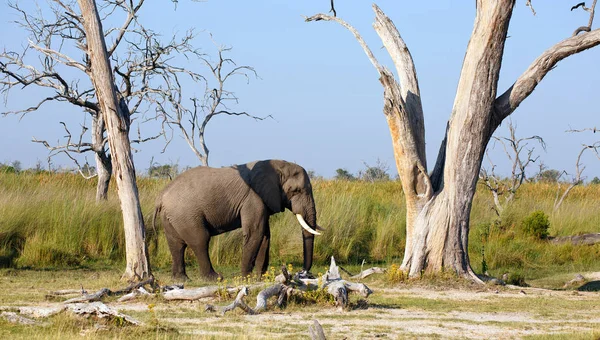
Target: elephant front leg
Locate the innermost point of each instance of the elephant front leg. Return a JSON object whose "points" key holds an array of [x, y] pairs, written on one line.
{"points": [[262, 260], [254, 239]]}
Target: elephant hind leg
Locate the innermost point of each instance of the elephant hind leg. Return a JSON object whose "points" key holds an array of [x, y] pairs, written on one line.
{"points": [[177, 248], [199, 243], [262, 259]]}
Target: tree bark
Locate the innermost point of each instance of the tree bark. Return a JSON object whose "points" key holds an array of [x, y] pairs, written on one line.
{"points": [[438, 205], [103, 161], [116, 117], [440, 239]]}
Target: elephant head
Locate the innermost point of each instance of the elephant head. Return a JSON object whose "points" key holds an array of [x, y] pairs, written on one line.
{"points": [[282, 185]]}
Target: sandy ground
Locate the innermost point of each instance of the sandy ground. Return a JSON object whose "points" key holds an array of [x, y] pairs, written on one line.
{"points": [[410, 312]]}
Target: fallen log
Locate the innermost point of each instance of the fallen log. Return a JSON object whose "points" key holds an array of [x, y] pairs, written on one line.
{"points": [[100, 310], [585, 239], [16, 318], [286, 285]]}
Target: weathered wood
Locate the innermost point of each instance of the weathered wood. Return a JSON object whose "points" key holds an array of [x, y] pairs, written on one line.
{"points": [[191, 294], [100, 310], [116, 118], [134, 294], [585, 239], [237, 303], [41, 312], [16, 318], [316, 331], [97, 296], [438, 210], [368, 272], [265, 294]]}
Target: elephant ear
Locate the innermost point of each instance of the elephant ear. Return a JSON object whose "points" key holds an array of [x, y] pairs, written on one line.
{"points": [[265, 180]]}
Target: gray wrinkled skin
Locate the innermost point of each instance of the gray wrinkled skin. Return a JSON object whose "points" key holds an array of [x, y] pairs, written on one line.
{"points": [[203, 202]]}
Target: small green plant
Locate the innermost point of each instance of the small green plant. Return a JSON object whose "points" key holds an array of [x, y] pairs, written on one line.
{"points": [[394, 274], [536, 225]]}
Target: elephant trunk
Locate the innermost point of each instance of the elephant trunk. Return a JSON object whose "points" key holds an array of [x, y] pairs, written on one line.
{"points": [[308, 244], [308, 235]]}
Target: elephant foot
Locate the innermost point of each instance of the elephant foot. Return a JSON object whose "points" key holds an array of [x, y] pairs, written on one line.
{"points": [[305, 275], [182, 277], [213, 276]]}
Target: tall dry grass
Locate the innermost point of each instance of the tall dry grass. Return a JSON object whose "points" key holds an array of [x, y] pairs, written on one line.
{"points": [[52, 220]]}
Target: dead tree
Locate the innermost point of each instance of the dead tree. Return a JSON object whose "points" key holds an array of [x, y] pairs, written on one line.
{"points": [[116, 118], [48, 39], [514, 148], [144, 64], [191, 117], [576, 179], [439, 202]]}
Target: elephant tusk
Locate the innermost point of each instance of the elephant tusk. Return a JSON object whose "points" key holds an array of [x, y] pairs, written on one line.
{"points": [[305, 225]]}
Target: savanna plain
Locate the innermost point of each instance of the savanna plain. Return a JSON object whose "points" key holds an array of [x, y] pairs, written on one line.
{"points": [[53, 236]]}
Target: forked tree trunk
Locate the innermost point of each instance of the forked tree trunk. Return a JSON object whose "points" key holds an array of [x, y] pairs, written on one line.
{"points": [[440, 234], [438, 205], [116, 117], [103, 161]]}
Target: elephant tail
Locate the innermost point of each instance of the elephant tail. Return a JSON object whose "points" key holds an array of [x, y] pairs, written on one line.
{"points": [[157, 210], [154, 237]]}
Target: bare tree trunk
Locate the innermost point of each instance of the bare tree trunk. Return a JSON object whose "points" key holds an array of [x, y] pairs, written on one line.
{"points": [[438, 205], [103, 161], [441, 230], [116, 117]]}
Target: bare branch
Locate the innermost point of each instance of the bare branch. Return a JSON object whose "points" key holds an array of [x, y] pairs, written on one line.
{"points": [[528, 4], [590, 10], [361, 41], [527, 82]]}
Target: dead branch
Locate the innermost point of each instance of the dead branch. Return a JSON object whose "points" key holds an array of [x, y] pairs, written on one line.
{"points": [[101, 311], [316, 331], [506, 103], [97, 296], [238, 302], [514, 148], [576, 179], [368, 272], [590, 10], [528, 4]]}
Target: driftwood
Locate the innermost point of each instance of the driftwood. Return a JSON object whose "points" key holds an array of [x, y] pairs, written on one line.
{"points": [[368, 272], [585, 239], [134, 294], [16, 318], [286, 285], [96, 309], [100, 310], [238, 302], [316, 331], [97, 296]]}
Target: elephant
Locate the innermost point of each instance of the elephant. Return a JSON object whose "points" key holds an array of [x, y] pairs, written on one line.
{"points": [[203, 202]]}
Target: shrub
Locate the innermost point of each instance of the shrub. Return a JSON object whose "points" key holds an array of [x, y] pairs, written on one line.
{"points": [[536, 225]]}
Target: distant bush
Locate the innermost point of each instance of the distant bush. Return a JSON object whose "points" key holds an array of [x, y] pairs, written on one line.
{"points": [[549, 176], [536, 225], [595, 181], [344, 175], [516, 279]]}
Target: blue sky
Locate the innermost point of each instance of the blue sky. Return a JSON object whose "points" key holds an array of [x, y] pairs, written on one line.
{"points": [[324, 94]]}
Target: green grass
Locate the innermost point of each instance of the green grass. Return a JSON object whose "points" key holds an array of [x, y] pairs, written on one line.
{"points": [[52, 221]]}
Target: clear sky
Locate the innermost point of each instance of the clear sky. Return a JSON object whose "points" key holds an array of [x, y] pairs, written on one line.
{"points": [[324, 94]]}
